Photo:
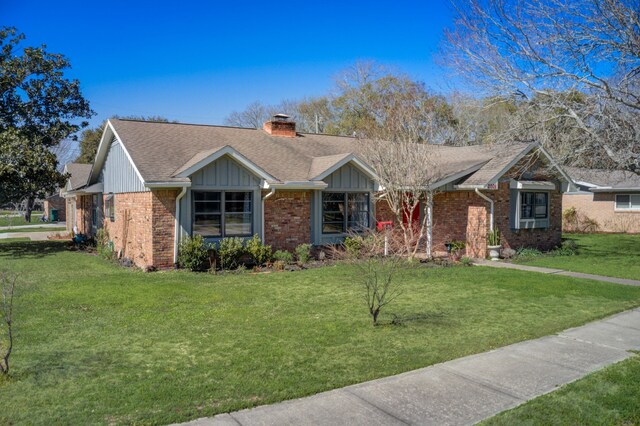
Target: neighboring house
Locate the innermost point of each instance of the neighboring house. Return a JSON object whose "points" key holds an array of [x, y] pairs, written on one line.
{"points": [[82, 203], [59, 204], [609, 199], [160, 182]]}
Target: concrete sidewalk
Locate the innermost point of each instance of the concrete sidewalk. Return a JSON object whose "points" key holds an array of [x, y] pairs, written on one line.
{"points": [[499, 264], [463, 391], [35, 225]]}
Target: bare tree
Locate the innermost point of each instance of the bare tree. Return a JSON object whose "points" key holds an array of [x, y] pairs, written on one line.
{"points": [[7, 286], [253, 116], [542, 52], [407, 170]]}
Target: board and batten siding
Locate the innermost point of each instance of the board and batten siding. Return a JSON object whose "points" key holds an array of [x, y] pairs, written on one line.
{"points": [[348, 178], [224, 174], [118, 174]]}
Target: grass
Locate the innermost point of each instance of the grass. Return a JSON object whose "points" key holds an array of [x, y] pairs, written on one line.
{"points": [[34, 229], [608, 397], [96, 343], [612, 255], [7, 220]]}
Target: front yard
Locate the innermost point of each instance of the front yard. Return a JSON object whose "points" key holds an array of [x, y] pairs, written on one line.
{"points": [[96, 343], [613, 255]]}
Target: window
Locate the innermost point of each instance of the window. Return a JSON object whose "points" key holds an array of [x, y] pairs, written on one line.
{"points": [[534, 205], [336, 204], [628, 202], [222, 214], [94, 211], [110, 207]]}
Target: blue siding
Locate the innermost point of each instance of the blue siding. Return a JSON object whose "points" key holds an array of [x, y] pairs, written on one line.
{"points": [[118, 174], [349, 177], [225, 172]]}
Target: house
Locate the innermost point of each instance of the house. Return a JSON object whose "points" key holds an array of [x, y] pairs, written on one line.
{"points": [[82, 207], [57, 203], [154, 183], [608, 200]]}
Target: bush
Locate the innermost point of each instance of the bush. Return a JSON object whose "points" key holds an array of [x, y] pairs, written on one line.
{"points": [[259, 252], [104, 246], [283, 256], [527, 253], [353, 245], [193, 253], [568, 248], [230, 250], [466, 261], [303, 253]]}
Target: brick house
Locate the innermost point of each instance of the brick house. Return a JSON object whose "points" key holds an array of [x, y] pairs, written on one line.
{"points": [[608, 198], [154, 183], [58, 203]]}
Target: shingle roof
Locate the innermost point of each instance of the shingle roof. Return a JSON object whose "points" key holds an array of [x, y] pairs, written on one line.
{"points": [[614, 179], [160, 151], [79, 174]]}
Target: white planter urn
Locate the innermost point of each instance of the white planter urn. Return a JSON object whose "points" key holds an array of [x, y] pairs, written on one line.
{"points": [[494, 252]]}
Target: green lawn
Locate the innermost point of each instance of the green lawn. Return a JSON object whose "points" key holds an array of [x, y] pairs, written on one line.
{"points": [[34, 229], [613, 255], [97, 343], [10, 220], [608, 397]]}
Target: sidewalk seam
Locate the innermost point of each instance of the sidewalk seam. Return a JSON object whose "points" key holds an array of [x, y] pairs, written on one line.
{"points": [[375, 406]]}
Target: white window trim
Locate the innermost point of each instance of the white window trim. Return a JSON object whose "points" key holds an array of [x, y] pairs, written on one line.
{"points": [[630, 209]]}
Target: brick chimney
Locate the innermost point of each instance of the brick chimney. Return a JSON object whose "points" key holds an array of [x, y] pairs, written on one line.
{"points": [[279, 125]]}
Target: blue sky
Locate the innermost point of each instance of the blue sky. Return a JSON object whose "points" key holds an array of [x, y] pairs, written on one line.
{"points": [[198, 61]]}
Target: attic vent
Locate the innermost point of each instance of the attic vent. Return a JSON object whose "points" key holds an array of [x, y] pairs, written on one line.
{"points": [[279, 125]]}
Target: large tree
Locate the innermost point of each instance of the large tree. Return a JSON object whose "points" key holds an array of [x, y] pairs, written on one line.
{"points": [[39, 107], [541, 53]]}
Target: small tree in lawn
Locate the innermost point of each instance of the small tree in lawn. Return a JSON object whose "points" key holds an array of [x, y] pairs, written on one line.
{"points": [[7, 286]]}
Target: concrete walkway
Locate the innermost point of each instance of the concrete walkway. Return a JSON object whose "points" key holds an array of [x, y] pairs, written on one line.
{"points": [[463, 391], [35, 225], [499, 264]]}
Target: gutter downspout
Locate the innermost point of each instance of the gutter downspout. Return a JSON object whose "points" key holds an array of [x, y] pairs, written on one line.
{"points": [[177, 226], [273, 191], [491, 203]]}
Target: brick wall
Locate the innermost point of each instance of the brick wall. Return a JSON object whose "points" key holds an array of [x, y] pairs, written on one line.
{"points": [[163, 227], [287, 219], [144, 226], [130, 231], [543, 239], [460, 215], [601, 208]]}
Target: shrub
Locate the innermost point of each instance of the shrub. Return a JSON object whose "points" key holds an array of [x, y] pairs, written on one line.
{"points": [[259, 252], [303, 253], [568, 248], [193, 253], [104, 246], [466, 261], [353, 245], [283, 256], [230, 250], [527, 253]]}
